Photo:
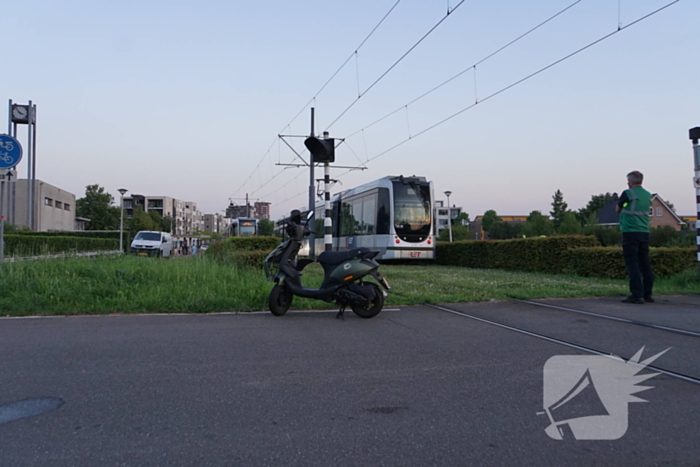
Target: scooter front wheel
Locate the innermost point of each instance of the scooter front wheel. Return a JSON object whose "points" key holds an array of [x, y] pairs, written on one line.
{"points": [[280, 299], [374, 307]]}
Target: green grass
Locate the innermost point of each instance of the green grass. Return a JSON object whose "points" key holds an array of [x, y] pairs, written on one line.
{"points": [[129, 284]]}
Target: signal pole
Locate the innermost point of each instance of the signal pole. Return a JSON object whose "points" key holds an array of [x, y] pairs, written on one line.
{"points": [[312, 192], [694, 134]]}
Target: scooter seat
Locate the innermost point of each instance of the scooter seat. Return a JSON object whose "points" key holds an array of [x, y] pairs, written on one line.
{"points": [[337, 257]]}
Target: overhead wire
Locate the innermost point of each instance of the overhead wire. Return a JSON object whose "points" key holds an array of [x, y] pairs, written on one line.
{"points": [[354, 53], [531, 30], [531, 75], [449, 12]]}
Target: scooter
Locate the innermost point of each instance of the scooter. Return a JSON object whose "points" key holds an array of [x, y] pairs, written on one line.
{"points": [[344, 274]]}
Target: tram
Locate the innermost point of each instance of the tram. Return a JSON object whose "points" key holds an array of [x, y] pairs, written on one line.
{"points": [[393, 215], [244, 227]]}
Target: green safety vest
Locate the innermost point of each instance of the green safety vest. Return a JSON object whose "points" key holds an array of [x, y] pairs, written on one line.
{"points": [[634, 216]]}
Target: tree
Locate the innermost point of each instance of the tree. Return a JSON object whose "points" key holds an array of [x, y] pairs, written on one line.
{"points": [[141, 221], [490, 218], [593, 206], [569, 224], [537, 224], [462, 219], [559, 207], [459, 232], [96, 205], [267, 227]]}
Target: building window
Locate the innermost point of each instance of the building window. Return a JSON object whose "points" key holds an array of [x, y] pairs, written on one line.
{"points": [[48, 202], [58, 205], [66, 206], [651, 211], [442, 212], [659, 212]]}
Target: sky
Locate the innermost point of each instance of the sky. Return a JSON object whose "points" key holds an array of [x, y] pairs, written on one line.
{"points": [[187, 99]]}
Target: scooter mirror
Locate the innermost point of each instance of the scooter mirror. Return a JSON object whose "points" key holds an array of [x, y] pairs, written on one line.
{"points": [[309, 216], [295, 217]]}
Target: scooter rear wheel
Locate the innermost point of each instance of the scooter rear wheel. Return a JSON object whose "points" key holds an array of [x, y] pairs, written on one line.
{"points": [[280, 299], [374, 307]]}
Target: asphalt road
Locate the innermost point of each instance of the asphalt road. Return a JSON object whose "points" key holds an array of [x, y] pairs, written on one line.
{"points": [[413, 386]]}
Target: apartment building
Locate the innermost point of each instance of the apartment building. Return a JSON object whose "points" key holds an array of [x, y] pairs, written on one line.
{"points": [[443, 214], [186, 219], [216, 223], [262, 210]]}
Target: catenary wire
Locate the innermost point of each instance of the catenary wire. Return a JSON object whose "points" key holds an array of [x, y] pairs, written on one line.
{"points": [[395, 63], [531, 75], [467, 69], [320, 90]]}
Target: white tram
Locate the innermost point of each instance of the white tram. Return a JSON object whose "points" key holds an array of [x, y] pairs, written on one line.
{"points": [[244, 227], [393, 215]]}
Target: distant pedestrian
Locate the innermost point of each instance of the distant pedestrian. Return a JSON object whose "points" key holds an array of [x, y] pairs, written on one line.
{"points": [[634, 206], [184, 249]]}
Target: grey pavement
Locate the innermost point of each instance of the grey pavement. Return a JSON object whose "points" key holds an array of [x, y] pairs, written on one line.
{"points": [[414, 386]]}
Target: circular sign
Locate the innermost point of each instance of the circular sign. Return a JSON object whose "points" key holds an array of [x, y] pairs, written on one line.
{"points": [[10, 152]]}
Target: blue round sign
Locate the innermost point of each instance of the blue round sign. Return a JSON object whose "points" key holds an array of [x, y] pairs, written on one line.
{"points": [[10, 152]]}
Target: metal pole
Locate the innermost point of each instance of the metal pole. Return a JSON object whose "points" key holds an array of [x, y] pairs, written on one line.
{"points": [[449, 217], [312, 189], [327, 221], [695, 137], [29, 170], [121, 223], [2, 240], [32, 123]]}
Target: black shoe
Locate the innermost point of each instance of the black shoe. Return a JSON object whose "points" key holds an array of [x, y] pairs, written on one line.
{"points": [[649, 299], [638, 301]]}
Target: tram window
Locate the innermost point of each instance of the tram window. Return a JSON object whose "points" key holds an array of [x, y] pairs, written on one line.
{"points": [[383, 210], [369, 205], [348, 221]]}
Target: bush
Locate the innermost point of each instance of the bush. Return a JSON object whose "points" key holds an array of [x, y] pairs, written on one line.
{"points": [[541, 254], [32, 245], [243, 250], [608, 261], [81, 234]]}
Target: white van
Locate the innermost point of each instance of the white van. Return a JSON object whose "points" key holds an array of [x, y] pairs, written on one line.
{"points": [[149, 243]]}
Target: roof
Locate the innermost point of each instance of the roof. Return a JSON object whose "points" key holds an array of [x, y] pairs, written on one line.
{"points": [[607, 215]]}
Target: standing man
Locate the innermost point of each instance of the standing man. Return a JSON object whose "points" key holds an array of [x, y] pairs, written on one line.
{"points": [[634, 206]]}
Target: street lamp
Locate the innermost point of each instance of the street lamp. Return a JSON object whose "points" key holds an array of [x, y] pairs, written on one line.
{"points": [[121, 221], [449, 213]]}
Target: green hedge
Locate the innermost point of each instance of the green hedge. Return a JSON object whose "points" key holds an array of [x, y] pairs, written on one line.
{"points": [[575, 254], [540, 254], [81, 234], [246, 251], [608, 262], [32, 245]]}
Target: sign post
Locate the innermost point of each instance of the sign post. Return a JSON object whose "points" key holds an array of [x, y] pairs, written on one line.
{"points": [[10, 155]]}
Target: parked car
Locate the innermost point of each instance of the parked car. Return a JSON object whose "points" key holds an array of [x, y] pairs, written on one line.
{"points": [[150, 243]]}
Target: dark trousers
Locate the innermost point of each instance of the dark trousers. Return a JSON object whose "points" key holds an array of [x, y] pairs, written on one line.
{"points": [[635, 249]]}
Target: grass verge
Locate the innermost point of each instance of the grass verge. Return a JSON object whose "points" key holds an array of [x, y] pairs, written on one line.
{"points": [[128, 284]]}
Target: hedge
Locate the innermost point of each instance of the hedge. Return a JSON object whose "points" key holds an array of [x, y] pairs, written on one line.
{"points": [[245, 251], [608, 262], [31, 245], [539, 254], [575, 254], [81, 233]]}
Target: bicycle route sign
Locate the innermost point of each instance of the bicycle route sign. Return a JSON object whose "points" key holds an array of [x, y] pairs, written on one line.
{"points": [[10, 152]]}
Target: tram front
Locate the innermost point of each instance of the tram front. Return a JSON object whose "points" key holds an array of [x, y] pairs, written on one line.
{"points": [[412, 219]]}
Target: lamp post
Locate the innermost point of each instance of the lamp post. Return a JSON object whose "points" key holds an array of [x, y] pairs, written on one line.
{"points": [[121, 219], [449, 213]]}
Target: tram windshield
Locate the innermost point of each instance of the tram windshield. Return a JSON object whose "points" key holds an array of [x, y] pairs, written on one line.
{"points": [[246, 228], [411, 209]]}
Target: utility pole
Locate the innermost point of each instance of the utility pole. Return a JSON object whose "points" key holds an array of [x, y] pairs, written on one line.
{"points": [[312, 192]]}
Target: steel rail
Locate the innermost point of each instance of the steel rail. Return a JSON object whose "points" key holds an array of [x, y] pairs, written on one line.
{"points": [[583, 348]]}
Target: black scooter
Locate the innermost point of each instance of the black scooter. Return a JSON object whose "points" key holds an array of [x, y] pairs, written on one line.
{"points": [[344, 274]]}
